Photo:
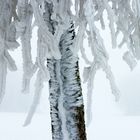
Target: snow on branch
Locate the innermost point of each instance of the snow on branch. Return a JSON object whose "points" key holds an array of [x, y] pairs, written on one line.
{"points": [[123, 17], [7, 40]]}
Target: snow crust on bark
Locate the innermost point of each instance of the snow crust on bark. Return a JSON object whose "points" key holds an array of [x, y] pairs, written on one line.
{"points": [[63, 74], [66, 99]]}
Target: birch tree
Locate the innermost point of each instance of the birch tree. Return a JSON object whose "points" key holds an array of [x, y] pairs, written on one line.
{"points": [[62, 27]]}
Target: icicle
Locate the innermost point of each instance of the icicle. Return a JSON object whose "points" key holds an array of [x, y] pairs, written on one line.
{"points": [[36, 99], [25, 14], [89, 77], [130, 60], [10, 62], [111, 17], [42, 57], [3, 73], [79, 38], [84, 55], [110, 77]]}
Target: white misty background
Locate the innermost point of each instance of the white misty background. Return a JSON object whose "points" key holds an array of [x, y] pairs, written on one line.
{"points": [[110, 120]]}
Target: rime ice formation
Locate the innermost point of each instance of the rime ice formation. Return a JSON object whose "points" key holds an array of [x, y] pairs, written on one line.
{"points": [[53, 19], [7, 40], [24, 30]]}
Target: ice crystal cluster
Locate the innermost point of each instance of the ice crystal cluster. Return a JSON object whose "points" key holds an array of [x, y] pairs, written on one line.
{"points": [[16, 17]]}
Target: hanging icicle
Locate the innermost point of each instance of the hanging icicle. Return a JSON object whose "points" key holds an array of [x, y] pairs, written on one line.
{"points": [[24, 30], [42, 76], [37, 96]]}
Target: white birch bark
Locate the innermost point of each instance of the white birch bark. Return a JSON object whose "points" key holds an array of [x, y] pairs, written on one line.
{"points": [[66, 101], [72, 92]]}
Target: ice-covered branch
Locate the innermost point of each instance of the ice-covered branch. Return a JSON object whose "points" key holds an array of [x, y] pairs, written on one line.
{"points": [[24, 30], [7, 40], [99, 52], [36, 99]]}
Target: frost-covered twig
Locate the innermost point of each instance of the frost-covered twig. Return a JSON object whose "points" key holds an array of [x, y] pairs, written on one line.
{"points": [[100, 55], [36, 99]]}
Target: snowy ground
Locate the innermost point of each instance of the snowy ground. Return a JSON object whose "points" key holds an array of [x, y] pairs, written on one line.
{"points": [[115, 128], [11, 127], [101, 128]]}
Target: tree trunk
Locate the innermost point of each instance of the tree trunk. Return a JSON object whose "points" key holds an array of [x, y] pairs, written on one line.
{"points": [[66, 100]]}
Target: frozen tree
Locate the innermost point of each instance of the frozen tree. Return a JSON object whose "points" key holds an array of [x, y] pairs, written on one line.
{"points": [[62, 27]]}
